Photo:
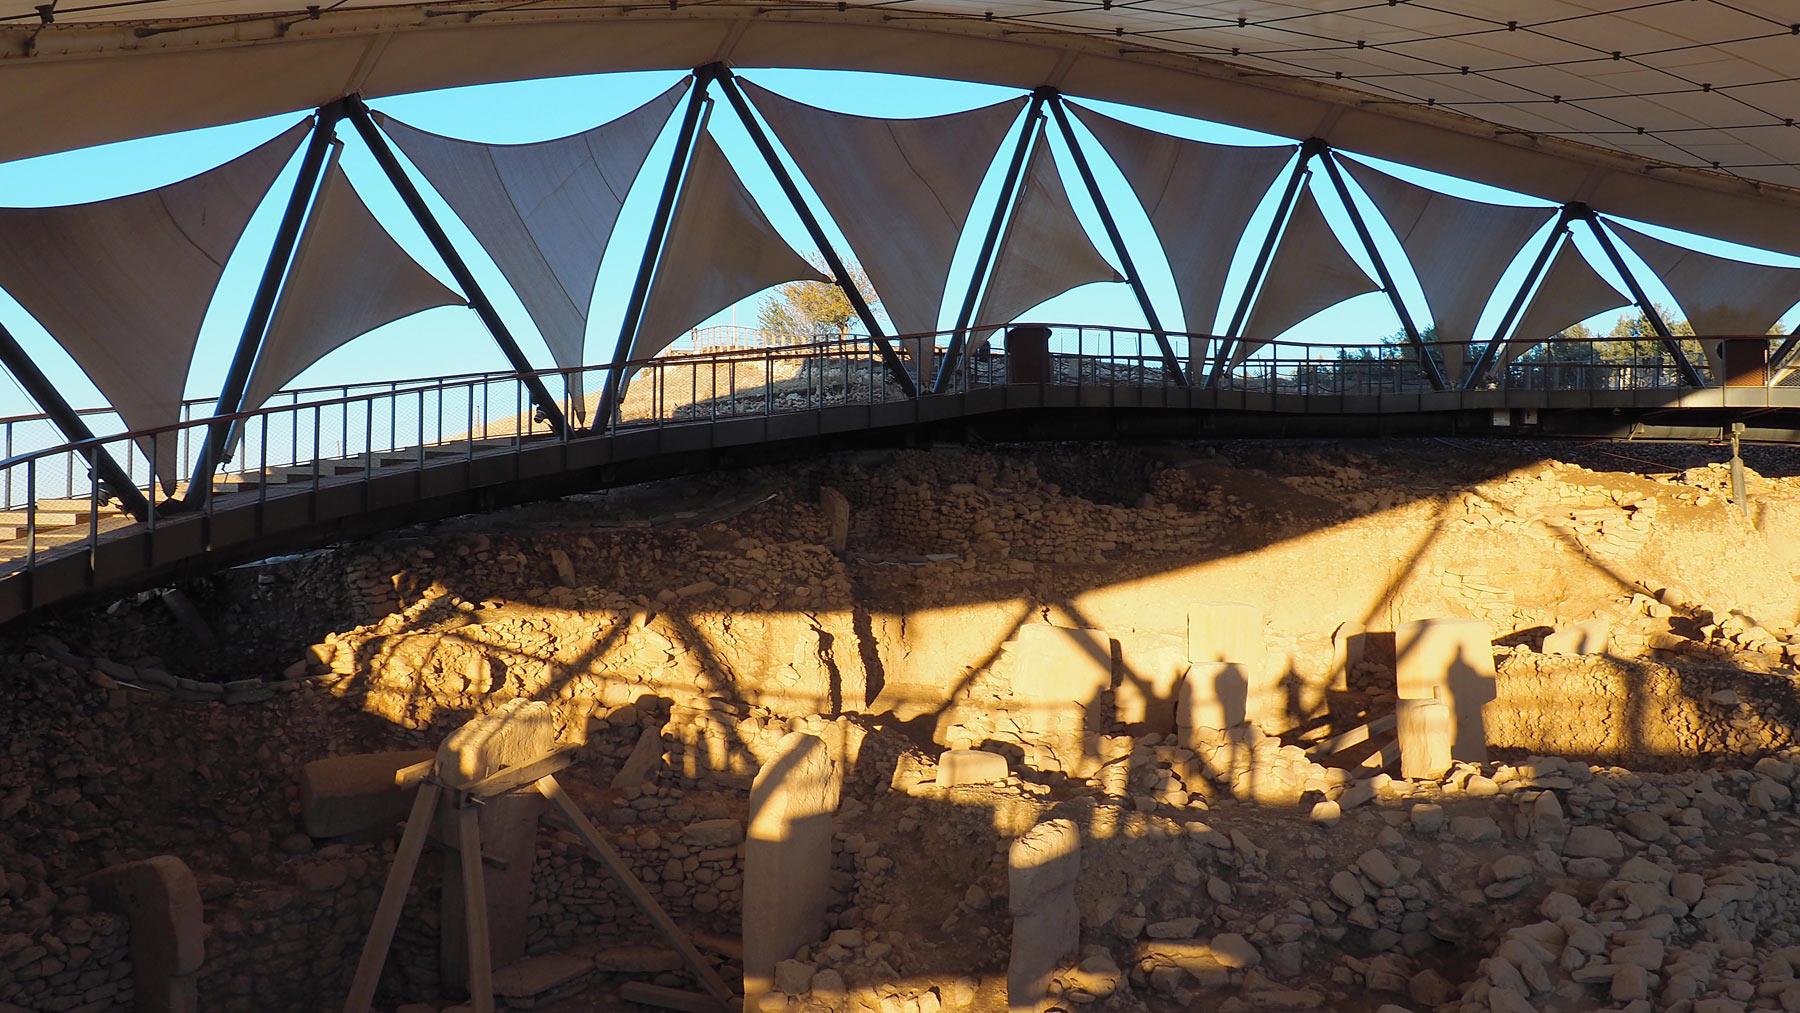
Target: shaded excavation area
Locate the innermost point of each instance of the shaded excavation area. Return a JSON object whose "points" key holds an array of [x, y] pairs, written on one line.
{"points": [[1261, 725]]}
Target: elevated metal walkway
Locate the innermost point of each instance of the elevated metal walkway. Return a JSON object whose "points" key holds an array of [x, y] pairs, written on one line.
{"points": [[334, 463]]}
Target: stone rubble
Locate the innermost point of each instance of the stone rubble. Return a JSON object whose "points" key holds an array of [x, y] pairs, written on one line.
{"points": [[1631, 842]]}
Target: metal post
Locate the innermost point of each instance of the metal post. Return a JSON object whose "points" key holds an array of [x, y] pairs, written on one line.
{"points": [[1785, 349], [889, 357], [36, 384], [1491, 353], [358, 113], [1737, 470], [1689, 374], [1432, 372], [1002, 204], [262, 305], [1170, 362], [1283, 209], [659, 227]]}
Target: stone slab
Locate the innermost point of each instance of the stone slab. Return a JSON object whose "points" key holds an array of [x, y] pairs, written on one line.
{"points": [[1045, 859], [513, 734], [534, 976], [1348, 646], [1213, 694], [1590, 637], [1043, 865], [509, 825], [1423, 728], [970, 766], [1057, 665], [1226, 631], [168, 928], [1451, 660], [787, 857], [342, 795], [1151, 666]]}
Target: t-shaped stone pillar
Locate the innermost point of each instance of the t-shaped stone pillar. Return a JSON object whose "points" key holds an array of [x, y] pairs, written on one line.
{"points": [[516, 733]]}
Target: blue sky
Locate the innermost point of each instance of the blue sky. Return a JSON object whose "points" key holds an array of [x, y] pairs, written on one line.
{"points": [[451, 339]]}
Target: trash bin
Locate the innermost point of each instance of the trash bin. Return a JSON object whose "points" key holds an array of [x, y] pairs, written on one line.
{"points": [[1028, 354], [1745, 361]]}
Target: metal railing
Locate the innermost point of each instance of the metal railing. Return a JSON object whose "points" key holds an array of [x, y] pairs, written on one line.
{"points": [[306, 439]]}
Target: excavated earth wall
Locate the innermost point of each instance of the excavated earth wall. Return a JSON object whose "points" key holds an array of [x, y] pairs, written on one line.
{"points": [[898, 604]]}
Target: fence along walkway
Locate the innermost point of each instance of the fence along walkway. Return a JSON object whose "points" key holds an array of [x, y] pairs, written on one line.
{"points": [[324, 454]]}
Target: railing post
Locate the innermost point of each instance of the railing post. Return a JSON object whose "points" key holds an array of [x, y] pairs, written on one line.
{"points": [[50, 399]]}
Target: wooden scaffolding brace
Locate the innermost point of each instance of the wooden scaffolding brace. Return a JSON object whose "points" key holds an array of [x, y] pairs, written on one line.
{"points": [[465, 800]]}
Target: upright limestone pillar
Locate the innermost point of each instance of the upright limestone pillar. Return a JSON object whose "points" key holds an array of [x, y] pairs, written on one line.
{"points": [[787, 857], [1452, 661], [516, 733], [168, 928], [1227, 654], [1042, 867]]}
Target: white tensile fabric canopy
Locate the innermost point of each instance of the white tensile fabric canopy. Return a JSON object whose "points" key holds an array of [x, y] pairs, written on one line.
{"points": [[1458, 249], [1571, 292], [1689, 125], [1045, 251], [123, 285], [545, 211], [720, 249], [348, 277], [1719, 296], [1309, 272], [1199, 198], [900, 189]]}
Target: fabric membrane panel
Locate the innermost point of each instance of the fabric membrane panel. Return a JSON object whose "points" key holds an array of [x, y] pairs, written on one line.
{"points": [[94, 82], [1719, 296], [1309, 272], [1045, 251], [900, 189], [123, 285], [1199, 197], [1458, 249], [544, 211], [348, 278], [720, 249], [1571, 292]]}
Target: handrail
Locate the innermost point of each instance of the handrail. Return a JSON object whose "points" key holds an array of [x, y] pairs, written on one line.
{"points": [[1265, 362], [405, 425]]}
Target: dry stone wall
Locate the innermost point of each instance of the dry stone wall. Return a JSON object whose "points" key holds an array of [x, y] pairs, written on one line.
{"points": [[1038, 605]]}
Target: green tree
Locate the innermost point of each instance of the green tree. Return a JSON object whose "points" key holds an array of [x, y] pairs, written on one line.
{"points": [[799, 311]]}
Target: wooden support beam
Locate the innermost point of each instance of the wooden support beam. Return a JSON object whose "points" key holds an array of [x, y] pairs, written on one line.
{"points": [[393, 897], [475, 913], [509, 778], [1355, 736], [640, 896]]}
